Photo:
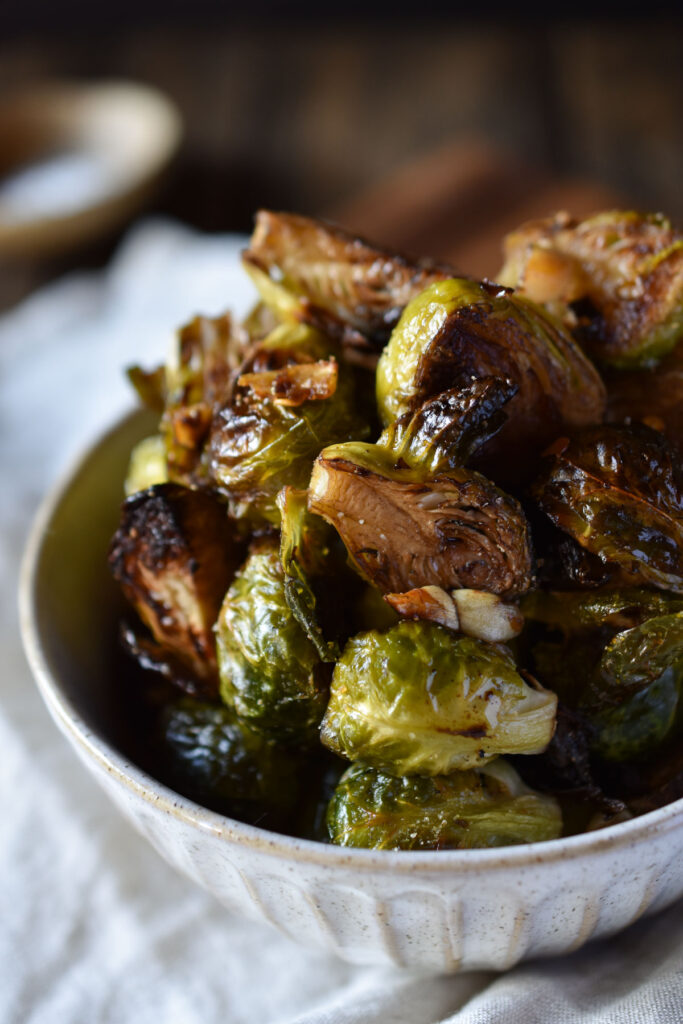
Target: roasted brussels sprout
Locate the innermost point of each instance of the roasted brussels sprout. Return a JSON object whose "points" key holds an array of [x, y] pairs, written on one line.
{"points": [[174, 555], [465, 810], [270, 671], [616, 492], [312, 271], [147, 465], [418, 700], [405, 529], [260, 444], [150, 386], [623, 272], [459, 329], [210, 756]]}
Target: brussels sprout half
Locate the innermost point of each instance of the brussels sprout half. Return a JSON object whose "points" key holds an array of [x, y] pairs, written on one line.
{"points": [[418, 700], [405, 529], [311, 271], [623, 271], [616, 492], [459, 329], [270, 671], [465, 810], [174, 554]]}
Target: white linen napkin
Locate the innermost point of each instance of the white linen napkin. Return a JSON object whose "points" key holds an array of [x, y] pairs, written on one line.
{"points": [[94, 926]]}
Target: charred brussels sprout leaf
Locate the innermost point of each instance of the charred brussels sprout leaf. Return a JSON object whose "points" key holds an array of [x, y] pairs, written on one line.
{"points": [[460, 329], [174, 555], [258, 445], [314, 272], [270, 671], [419, 701], [447, 430], [210, 756], [465, 810], [304, 550], [197, 381], [623, 272], [616, 492], [405, 529]]}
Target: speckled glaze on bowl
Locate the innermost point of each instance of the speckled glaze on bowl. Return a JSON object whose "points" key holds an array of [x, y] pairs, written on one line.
{"points": [[440, 912]]}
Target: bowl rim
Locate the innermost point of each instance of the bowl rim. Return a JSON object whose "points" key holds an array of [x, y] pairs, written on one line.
{"points": [[149, 789]]}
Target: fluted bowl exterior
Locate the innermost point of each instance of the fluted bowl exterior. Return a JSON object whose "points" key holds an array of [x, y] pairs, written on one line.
{"points": [[437, 912]]}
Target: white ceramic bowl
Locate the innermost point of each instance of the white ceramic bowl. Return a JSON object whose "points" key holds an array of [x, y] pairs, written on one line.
{"points": [[442, 911]]}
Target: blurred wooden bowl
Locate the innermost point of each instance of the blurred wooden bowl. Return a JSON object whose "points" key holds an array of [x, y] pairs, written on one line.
{"points": [[78, 159]]}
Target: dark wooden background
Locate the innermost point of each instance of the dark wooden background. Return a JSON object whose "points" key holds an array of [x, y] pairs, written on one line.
{"points": [[305, 116]]}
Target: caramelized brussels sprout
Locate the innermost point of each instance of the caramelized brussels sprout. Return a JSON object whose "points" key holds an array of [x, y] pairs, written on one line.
{"points": [[270, 671], [459, 329], [405, 529], [616, 492], [311, 271], [210, 756], [419, 701], [623, 272], [259, 444], [465, 810], [174, 555], [147, 465], [304, 551]]}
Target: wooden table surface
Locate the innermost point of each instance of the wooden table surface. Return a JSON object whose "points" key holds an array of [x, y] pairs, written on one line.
{"points": [[398, 129]]}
